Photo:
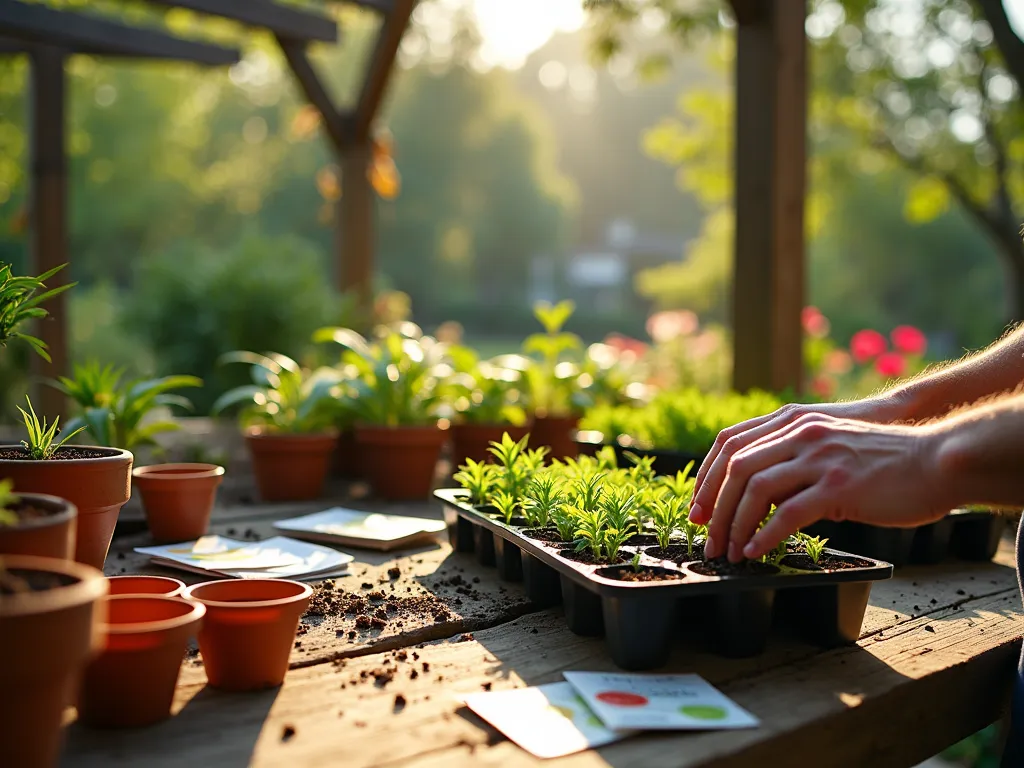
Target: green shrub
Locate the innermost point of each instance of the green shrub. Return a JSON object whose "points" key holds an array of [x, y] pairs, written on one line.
{"points": [[194, 304]]}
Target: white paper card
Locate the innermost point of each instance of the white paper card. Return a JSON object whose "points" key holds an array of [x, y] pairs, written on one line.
{"points": [[279, 557], [353, 524], [547, 721], [658, 702]]}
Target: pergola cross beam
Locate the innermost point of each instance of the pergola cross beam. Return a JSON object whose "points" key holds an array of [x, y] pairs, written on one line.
{"points": [[283, 20]]}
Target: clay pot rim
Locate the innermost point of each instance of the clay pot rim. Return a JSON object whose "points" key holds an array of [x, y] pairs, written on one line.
{"points": [[169, 473], [90, 585], [305, 592], [180, 588], [68, 511], [482, 425], [114, 456], [196, 611]]}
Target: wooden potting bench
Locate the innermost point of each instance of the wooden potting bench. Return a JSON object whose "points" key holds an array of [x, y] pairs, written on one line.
{"points": [[933, 665]]}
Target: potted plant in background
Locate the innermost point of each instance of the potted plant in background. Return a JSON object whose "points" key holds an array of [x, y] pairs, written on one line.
{"points": [[288, 423], [119, 413], [396, 385], [553, 381], [35, 524], [486, 400], [50, 616], [95, 479]]}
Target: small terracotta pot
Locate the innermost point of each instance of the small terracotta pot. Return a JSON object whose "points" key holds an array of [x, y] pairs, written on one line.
{"points": [[346, 463], [98, 487], [49, 536], [161, 586], [473, 441], [131, 683], [556, 432], [47, 636], [249, 630], [290, 467], [178, 498], [401, 462]]}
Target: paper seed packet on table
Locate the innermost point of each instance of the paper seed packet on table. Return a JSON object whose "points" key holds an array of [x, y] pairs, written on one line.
{"points": [[278, 557], [368, 530], [659, 702], [547, 721]]}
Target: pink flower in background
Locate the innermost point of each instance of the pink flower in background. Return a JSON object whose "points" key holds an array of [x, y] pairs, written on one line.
{"points": [[815, 324], [891, 364], [909, 340], [823, 386], [671, 324], [867, 345], [626, 344], [838, 362]]}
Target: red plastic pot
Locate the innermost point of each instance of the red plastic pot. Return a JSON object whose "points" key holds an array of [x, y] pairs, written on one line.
{"points": [[249, 630], [162, 586], [131, 683], [401, 462], [50, 535], [290, 467], [473, 441], [556, 432], [98, 486], [47, 636], [178, 498]]}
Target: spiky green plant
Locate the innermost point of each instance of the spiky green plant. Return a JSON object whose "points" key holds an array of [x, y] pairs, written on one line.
{"points": [[506, 504], [668, 514], [20, 298], [40, 442], [814, 546], [588, 491], [680, 484], [564, 518], [635, 563], [591, 526], [607, 461], [477, 477], [691, 530], [544, 496], [642, 469]]}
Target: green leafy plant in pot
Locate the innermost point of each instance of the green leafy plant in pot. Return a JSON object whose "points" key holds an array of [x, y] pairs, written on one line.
{"points": [[396, 385], [288, 422], [486, 399], [553, 380], [124, 413]]}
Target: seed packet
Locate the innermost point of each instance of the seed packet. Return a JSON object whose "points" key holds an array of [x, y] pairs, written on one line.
{"points": [[547, 721], [658, 702], [368, 530]]}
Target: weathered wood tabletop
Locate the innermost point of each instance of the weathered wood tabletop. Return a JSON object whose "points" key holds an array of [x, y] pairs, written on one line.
{"points": [[933, 665]]}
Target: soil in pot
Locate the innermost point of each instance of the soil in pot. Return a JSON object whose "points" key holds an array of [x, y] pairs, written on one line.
{"points": [[96, 480], [645, 574], [587, 557], [548, 535], [145, 585], [826, 562], [721, 566], [401, 462], [557, 433], [641, 540], [178, 499], [473, 441], [131, 683], [290, 467], [679, 553], [46, 528], [249, 629], [50, 616]]}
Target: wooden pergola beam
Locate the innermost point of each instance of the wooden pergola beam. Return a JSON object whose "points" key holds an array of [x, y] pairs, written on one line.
{"points": [[381, 6], [282, 20], [770, 168], [381, 65], [81, 33]]}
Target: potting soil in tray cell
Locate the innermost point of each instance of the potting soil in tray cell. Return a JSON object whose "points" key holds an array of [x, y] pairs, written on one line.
{"points": [[641, 613]]}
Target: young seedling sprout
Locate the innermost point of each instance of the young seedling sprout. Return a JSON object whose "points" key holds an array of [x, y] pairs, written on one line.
{"points": [[591, 526], [606, 459], [642, 470], [41, 436], [8, 499], [636, 563], [506, 504], [668, 515], [691, 530], [544, 496], [814, 546], [564, 518], [476, 477]]}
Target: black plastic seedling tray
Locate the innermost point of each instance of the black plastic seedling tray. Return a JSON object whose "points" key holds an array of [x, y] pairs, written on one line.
{"points": [[966, 534], [640, 620]]}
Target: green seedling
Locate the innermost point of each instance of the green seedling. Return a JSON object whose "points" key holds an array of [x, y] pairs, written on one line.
{"points": [[477, 477], [544, 496], [606, 459], [680, 484], [8, 499], [642, 470], [508, 451], [564, 518], [612, 541], [692, 531], [618, 506], [589, 490], [814, 546], [635, 563], [506, 504], [591, 526], [668, 515], [40, 443]]}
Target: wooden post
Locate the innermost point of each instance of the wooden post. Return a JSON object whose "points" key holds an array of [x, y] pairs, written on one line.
{"points": [[356, 224], [49, 194], [771, 130]]}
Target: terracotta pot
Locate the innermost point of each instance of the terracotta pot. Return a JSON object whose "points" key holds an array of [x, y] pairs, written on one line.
{"points": [[178, 499], [52, 535], [131, 683], [161, 586], [346, 463], [472, 441], [401, 462], [556, 432], [249, 630], [98, 487], [47, 636], [290, 467]]}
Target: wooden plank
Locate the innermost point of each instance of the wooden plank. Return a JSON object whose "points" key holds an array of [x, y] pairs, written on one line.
{"points": [[338, 131], [49, 217], [771, 109], [381, 65], [91, 34], [356, 227], [295, 23], [893, 698]]}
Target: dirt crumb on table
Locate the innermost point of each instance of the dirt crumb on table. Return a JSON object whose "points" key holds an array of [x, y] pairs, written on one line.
{"points": [[287, 732]]}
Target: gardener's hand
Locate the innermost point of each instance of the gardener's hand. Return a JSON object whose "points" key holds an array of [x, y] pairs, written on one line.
{"points": [[881, 409], [820, 467]]}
